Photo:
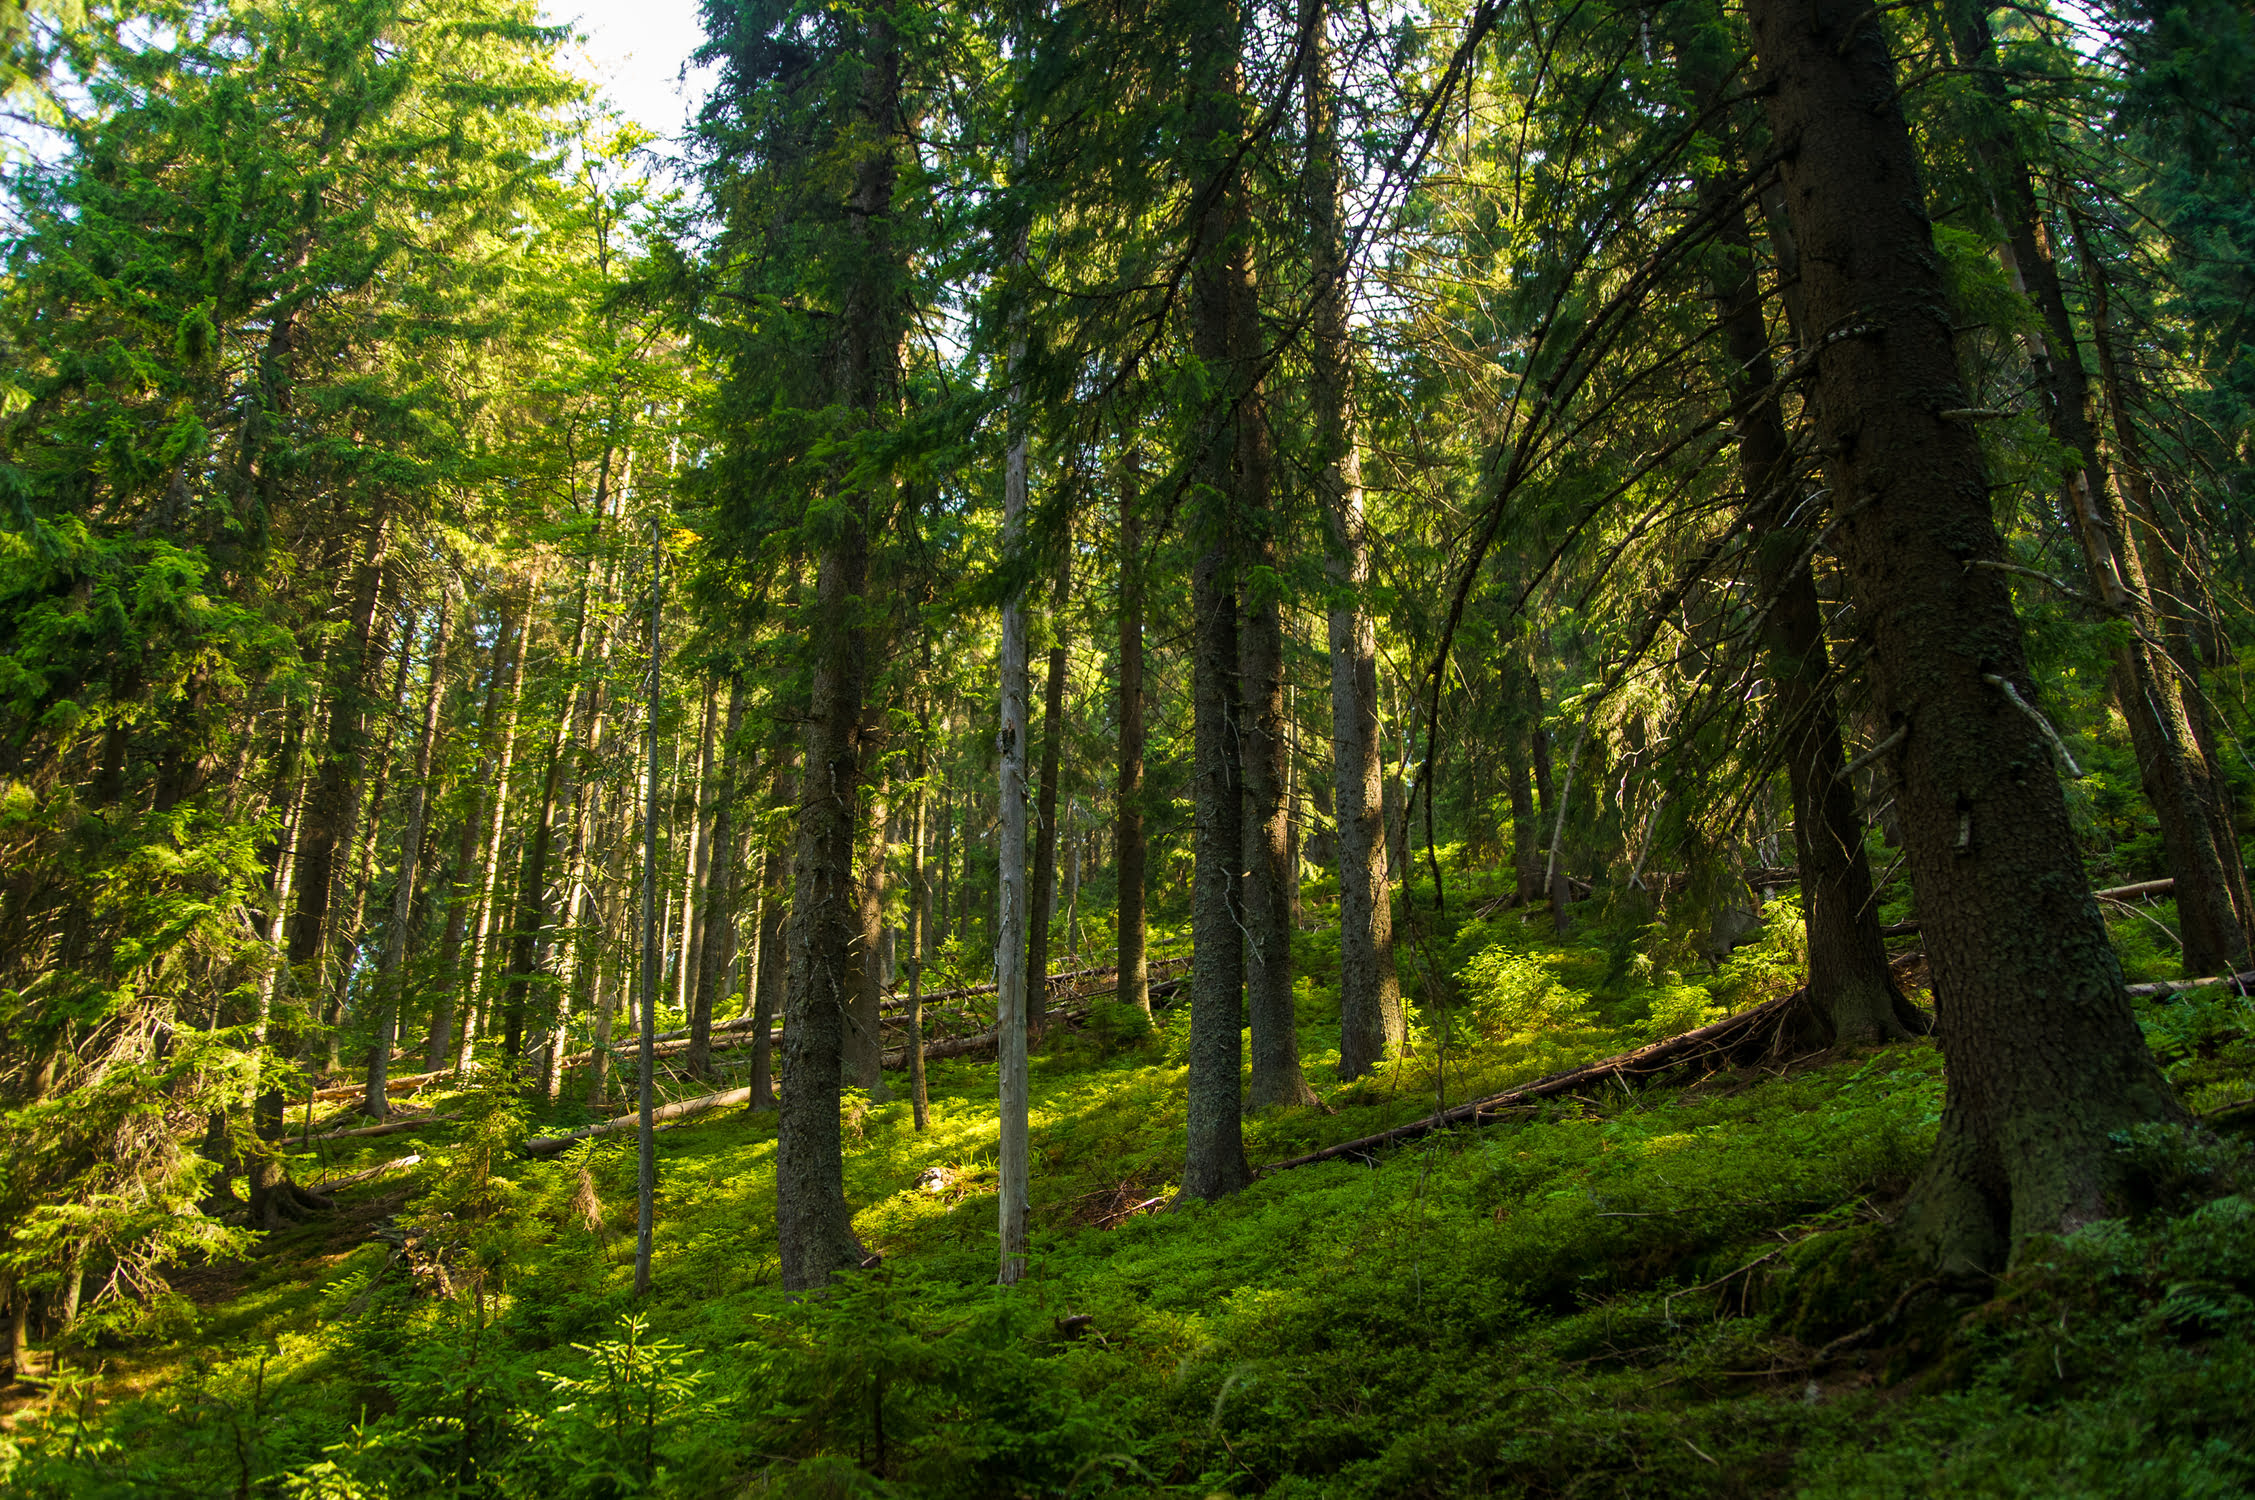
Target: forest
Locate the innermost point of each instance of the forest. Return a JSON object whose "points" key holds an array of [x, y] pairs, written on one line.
{"points": [[1129, 747]]}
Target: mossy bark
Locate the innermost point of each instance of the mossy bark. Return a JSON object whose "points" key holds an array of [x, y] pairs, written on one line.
{"points": [[2044, 1058]]}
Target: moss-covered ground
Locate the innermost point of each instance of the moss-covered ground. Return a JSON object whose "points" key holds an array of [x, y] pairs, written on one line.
{"points": [[1682, 1290]]}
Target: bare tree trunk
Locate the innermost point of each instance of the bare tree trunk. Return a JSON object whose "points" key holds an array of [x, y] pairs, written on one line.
{"points": [[391, 978], [865, 970], [2044, 1057], [1135, 974], [693, 865], [719, 905], [774, 961], [646, 1150], [1222, 304], [1849, 981], [2171, 769], [814, 1226], [500, 756], [1044, 898], [919, 926], [1370, 997], [1011, 745]]}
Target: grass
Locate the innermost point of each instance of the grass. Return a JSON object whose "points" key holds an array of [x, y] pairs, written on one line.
{"points": [[1624, 1294]]}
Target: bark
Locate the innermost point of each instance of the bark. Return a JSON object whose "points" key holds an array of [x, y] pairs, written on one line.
{"points": [[2174, 596], [1262, 757], [1135, 973], [1522, 708], [646, 1079], [1042, 906], [720, 893], [2174, 775], [1370, 1000], [865, 971], [391, 977], [768, 984], [503, 742], [691, 928], [2043, 1056], [813, 1224], [349, 922], [1011, 746], [1221, 303], [459, 900], [919, 926], [1849, 981]]}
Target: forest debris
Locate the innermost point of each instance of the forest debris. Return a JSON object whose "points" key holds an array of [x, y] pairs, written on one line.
{"points": [[1727, 1034], [549, 1145], [2118, 893], [406, 1085], [2243, 982], [350, 1179], [389, 1127]]}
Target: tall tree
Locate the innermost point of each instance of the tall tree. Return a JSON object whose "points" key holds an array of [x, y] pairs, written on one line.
{"points": [[2045, 1061]]}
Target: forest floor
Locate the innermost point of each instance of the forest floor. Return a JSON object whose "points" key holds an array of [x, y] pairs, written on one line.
{"points": [[1682, 1289]]}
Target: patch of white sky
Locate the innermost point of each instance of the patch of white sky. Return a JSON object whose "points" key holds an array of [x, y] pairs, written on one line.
{"points": [[637, 52]]}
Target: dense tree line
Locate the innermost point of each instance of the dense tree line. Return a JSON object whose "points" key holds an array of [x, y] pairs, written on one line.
{"points": [[1078, 487]]}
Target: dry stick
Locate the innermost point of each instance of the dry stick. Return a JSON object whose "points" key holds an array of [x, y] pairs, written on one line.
{"points": [[646, 1174], [646, 1119]]}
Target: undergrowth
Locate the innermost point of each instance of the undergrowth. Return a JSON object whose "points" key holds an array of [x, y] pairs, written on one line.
{"points": [[1678, 1291]]}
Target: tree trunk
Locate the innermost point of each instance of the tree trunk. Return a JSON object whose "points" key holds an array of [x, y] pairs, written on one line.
{"points": [[1011, 745], [813, 1224], [1262, 756], [720, 894], [1135, 974], [1849, 982], [391, 977], [1221, 302], [1043, 904], [1522, 710], [919, 925], [2174, 775], [2043, 1056], [691, 927], [2170, 590], [865, 971], [1370, 997], [646, 1072], [768, 984], [500, 756]]}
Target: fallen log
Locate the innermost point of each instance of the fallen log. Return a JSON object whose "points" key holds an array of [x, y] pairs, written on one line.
{"points": [[1658, 1057], [407, 1085], [2243, 982], [2136, 892], [396, 1164], [365, 1132], [549, 1145]]}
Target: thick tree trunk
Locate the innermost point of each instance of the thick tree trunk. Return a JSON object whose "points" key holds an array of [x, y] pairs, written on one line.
{"points": [[720, 894], [2044, 1058], [391, 977], [1370, 999], [1849, 981], [1135, 973], [1220, 289], [813, 1224]]}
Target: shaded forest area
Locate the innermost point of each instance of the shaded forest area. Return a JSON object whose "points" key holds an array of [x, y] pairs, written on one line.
{"points": [[1176, 748]]}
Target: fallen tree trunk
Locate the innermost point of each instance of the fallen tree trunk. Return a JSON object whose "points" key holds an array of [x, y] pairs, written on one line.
{"points": [[2244, 983], [365, 1132], [2135, 892], [407, 1085], [549, 1145], [1759, 1025], [396, 1164]]}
